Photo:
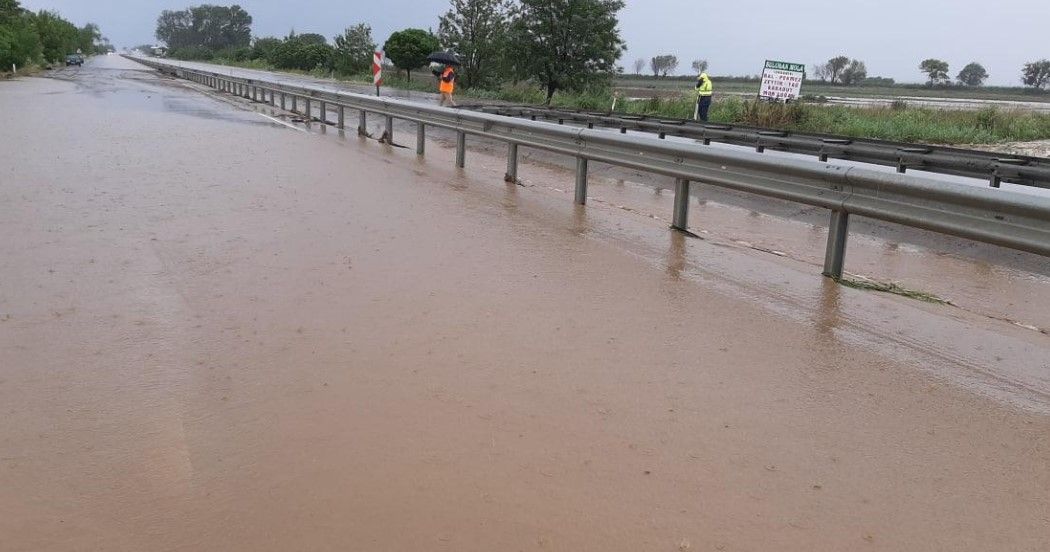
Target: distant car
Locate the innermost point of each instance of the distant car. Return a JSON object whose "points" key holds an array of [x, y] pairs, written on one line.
{"points": [[74, 59]]}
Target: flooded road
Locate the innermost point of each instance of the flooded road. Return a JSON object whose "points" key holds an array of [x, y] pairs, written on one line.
{"points": [[221, 333]]}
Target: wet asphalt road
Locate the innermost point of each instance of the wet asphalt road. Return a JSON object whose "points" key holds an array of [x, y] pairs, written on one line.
{"points": [[221, 330]]}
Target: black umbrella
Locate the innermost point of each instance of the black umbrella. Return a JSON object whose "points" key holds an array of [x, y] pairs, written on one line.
{"points": [[446, 58]]}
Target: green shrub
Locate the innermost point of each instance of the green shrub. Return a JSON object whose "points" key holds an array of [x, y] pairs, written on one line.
{"points": [[294, 54], [19, 43], [240, 54], [58, 37], [262, 48], [193, 53]]}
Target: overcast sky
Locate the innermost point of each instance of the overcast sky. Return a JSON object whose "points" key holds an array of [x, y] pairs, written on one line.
{"points": [[891, 36]]}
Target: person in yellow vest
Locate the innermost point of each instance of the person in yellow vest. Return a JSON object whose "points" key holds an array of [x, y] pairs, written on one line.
{"points": [[704, 90], [447, 85]]}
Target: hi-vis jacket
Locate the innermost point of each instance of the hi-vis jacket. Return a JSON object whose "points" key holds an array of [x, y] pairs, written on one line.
{"points": [[703, 85]]}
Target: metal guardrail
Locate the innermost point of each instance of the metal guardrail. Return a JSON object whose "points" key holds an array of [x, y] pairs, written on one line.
{"points": [[993, 167], [1010, 219]]}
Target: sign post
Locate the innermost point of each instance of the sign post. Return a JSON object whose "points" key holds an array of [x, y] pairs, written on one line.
{"points": [[782, 81], [377, 70]]}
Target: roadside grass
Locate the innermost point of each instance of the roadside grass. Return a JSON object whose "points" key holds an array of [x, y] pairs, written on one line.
{"points": [[898, 122], [27, 71], [893, 289]]}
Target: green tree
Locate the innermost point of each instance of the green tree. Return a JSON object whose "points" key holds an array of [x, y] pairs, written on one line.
{"points": [[476, 30], [663, 65], [832, 70], [408, 49], [354, 49], [854, 73], [310, 38], [10, 10], [58, 37], [936, 71], [566, 44], [262, 48], [1036, 74], [973, 74], [88, 37], [295, 54], [176, 29], [206, 26], [19, 43]]}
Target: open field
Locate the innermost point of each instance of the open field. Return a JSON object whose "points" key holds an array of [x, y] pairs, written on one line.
{"points": [[663, 86]]}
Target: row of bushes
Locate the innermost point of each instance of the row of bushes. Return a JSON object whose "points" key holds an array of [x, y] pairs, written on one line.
{"points": [[38, 38], [306, 52]]}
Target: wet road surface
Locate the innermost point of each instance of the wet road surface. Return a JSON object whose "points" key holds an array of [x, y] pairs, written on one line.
{"points": [[219, 333]]}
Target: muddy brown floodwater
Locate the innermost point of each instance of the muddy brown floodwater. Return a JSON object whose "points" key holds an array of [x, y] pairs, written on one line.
{"points": [[219, 333]]}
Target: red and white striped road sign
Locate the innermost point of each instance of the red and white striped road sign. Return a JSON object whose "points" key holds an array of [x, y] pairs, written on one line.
{"points": [[377, 68]]}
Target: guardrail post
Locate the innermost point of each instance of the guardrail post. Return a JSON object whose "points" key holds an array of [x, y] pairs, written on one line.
{"points": [[680, 221], [838, 232], [461, 149], [362, 124], [421, 138], [282, 101], [512, 163], [389, 129], [342, 117], [581, 181], [308, 109], [295, 103], [324, 113]]}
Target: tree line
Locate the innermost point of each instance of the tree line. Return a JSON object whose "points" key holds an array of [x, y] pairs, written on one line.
{"points": [[557, 44], [43, 37], [844, 71]]}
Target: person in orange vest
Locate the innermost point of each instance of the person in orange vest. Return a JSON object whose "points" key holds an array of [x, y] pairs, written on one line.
{"points": [[447, 85]]}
